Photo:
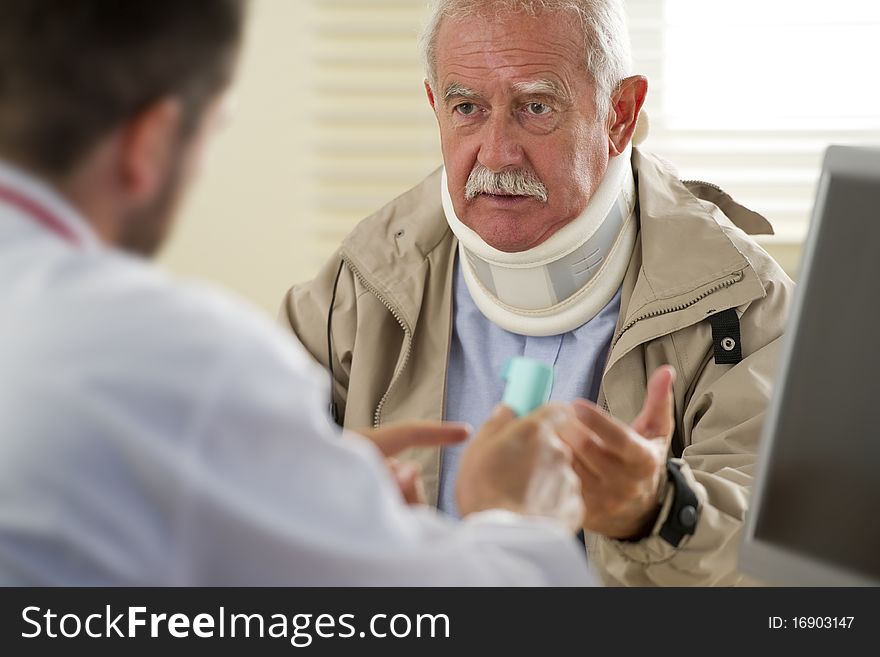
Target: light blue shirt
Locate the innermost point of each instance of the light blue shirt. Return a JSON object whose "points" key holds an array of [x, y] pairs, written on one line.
{"points": [[477, 356]]}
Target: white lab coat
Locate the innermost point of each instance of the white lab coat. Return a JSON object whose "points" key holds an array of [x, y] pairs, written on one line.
{"points": [[159, 433]]}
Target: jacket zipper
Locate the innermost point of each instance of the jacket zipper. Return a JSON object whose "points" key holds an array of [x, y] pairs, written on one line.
{"points": [[703, 182], [377, 415], [734, 278]]}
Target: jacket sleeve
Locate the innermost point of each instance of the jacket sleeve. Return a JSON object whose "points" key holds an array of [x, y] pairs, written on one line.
{"points": [[720, 428], [305, 311]]}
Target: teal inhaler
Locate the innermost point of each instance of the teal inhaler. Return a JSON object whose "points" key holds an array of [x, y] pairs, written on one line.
{"points": [[528, 386]]}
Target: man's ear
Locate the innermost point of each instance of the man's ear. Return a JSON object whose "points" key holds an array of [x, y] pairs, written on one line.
{"points": [[148, 146], [431, 100], [626, 103]]}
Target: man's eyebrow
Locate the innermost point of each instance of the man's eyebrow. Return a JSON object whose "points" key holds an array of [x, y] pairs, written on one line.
{"points": [[456, 90], [540, 88]]}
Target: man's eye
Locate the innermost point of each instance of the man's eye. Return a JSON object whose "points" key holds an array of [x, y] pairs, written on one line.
{"points": [[466, 109], [538, 109]]}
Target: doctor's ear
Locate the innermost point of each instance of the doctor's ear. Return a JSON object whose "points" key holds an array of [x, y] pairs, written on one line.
{"points": [[626, 103], [148, 145]]}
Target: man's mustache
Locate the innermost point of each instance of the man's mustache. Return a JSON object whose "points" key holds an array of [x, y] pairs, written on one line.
{"points": [[516, 182]]}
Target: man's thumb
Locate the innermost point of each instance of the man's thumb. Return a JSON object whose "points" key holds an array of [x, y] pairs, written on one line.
{"points": [[657, 418], [501, 415]]}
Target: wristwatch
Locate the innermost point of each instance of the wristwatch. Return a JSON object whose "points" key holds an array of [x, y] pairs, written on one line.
{"points": [[681, 520]]}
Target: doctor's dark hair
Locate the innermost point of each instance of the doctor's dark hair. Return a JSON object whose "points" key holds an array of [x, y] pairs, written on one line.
{"points": [[71, 71]]}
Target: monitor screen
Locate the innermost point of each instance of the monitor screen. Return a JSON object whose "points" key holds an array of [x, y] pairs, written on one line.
{"points": [[818, 492]]}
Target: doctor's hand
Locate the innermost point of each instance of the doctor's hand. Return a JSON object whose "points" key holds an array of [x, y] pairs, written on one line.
{"points": [[521, 465], [395, 438], [622, 467]]}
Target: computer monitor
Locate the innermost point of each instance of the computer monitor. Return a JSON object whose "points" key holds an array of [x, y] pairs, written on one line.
{"points": [[815, 511]]}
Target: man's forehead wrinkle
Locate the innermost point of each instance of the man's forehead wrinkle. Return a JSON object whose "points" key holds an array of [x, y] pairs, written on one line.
{"points": [[459, 35], [547, 70], [477, 48]]}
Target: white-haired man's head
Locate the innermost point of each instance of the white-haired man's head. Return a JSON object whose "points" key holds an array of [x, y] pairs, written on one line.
{"points": [[607, 52], [532, 101]]}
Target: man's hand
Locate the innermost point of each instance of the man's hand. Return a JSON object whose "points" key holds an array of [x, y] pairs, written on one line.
{"points": [[521, 465], [394, 438], [622, 467]]}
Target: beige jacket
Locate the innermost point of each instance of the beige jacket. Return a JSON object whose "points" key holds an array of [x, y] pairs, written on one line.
{"points": [[391, 329]]}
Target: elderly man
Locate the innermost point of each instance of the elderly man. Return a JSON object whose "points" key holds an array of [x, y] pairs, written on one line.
{"points": [[546, 234]]}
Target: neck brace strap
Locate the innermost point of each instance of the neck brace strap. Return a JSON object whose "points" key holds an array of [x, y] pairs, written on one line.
{"points": [[566, 280]]}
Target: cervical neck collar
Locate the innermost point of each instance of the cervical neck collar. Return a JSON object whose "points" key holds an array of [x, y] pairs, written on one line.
{"points": [[566, 280]]}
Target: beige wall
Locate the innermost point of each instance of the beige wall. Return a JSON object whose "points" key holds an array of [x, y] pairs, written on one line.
{"points": [[242, 226], [255, 222], [786, 253]]}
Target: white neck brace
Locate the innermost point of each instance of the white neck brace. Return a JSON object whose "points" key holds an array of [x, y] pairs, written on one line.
{"points": [[566, 280]]}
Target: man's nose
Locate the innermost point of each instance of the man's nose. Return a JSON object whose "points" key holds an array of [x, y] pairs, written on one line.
{"points": [[499, 148]]}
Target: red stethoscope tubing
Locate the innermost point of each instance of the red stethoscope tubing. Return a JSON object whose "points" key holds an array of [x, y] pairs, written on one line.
{"points": [[38, 213]]}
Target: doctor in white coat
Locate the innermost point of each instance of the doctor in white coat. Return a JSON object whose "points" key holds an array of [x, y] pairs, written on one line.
{"points": [[160, 433]]}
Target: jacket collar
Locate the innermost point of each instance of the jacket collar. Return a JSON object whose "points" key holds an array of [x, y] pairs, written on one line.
{"points": [[670, 287], [391, 249], [670, 216]]}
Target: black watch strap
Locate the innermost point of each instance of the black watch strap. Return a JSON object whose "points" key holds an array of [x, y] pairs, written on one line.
{"points": [[682, 518]]}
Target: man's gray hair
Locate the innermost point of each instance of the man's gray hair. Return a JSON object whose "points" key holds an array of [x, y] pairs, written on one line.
{"points": [[606, 36]]}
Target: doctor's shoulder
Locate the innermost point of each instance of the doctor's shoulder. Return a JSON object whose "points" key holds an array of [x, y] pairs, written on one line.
{"points": [[151, 316], [242, 326]]}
